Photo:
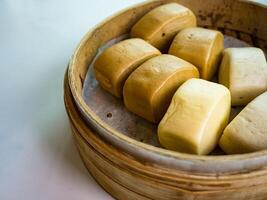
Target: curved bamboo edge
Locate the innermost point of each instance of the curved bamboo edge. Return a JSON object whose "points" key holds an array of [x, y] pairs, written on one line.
{"points": [[110, 186], [156, 155], [146, 189], [148, 180]]}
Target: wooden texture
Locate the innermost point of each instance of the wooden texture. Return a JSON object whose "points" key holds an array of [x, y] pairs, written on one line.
{"points": [[237, 16], [129, 169], [124, 177]]}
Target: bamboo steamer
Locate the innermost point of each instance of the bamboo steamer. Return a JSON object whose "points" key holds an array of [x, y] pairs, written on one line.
{"points": [[131, 169]]}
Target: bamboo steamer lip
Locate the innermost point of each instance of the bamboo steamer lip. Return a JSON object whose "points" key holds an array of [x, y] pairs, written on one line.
{"points": [[155, 155], [140, 177]]}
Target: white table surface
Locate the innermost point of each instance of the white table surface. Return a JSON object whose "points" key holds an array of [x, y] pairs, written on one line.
{"points": [[38, 159]]}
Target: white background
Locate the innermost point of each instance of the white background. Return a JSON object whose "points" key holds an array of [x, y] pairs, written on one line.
{"points": [[38, 159]]}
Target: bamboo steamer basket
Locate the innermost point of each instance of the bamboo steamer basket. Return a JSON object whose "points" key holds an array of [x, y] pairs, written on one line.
{"points": [[128, 168]]}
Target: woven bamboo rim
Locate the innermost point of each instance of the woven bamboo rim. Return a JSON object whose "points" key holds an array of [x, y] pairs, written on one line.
{"points": [[126, 177], [252, 30]]}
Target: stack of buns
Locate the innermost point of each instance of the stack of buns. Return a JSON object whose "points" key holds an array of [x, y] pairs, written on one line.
{"points": [[163, 73]]}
